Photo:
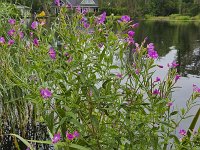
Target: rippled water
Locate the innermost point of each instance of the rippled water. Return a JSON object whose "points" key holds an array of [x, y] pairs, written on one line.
{"points": [[178, 41]]}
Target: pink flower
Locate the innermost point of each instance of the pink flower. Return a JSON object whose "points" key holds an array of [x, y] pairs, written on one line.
{"points": [[69, 6], [137, 71], [101, 18], [36, 42], [86, 25], [125, 18], [34, 25], [2, 40], [52, 53], [182, 132], [177, 77], [12, 21], [56, 138], [169, 104], [131, 33], [196, 89], [173, 64], [156, 92], [21, 34], [11, 32], [130, 40], [45, 93], [69, 136], [135, 25], [85, 11], [31, 34], [76, 134], [151, 51], [119, 76], [78, 9], [57, 2], [157, 79], [11, 42], [70, 59]]}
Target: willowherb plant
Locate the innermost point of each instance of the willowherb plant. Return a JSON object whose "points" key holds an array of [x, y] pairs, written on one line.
{"points": [[78, 79]]}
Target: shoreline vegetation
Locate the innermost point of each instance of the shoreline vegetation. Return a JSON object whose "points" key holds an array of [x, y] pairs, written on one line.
{"points": [[173, 17]]}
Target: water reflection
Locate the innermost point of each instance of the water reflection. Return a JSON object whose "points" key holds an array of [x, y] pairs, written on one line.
{"points": [[178, 41], [183, 36]]}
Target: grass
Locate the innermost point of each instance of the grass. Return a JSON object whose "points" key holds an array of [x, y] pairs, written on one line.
{"points": [[173, 17]]}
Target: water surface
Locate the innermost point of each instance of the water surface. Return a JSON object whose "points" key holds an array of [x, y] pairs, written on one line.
{"points": [[178, 41]]}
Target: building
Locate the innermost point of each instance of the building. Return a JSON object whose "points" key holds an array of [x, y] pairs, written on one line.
{"points": [[90, 5]]}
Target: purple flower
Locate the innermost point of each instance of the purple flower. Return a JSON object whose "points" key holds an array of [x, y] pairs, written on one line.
{"points": [[156, 92], [11, 32], [22, 21], [2, 40], [169, 104], [28, 148], [78, 9], [102, 18], [130, 40], [137, 71], [76, 134], [31, 34], [21, 34], [57, 2], [100, 45], [69, 6], [86, 25], [52, 53], [131, 33], [12, 21], [196, 89], [119, 75], [151, 51], [135, 25], [177, 77], [125, 18], [11, 42], [36, 42], [182, 132], [157, 79], [174, 64], [56, 138], [70, 59], [45, 93], [69, 136], [152, 54], [34, 25], [85, 11]]}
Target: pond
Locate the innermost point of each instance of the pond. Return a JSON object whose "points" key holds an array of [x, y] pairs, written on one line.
{"points": [[178, 41]]}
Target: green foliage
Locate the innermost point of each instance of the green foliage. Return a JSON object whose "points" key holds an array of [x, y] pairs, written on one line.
{"points": [[95, 89], [115, 11]]}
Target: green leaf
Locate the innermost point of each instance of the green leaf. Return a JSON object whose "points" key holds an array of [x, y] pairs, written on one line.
{"points": [[175, 138], [23, 140], [173, 113], [40, 142], [78, 147]]}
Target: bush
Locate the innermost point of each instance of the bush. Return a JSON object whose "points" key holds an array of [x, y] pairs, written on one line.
{"points": [[78, 80]]}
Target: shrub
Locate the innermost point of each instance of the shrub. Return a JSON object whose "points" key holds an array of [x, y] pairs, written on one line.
{"points": [[78, 80]]}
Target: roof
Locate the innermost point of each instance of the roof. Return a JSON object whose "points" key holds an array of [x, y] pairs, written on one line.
{"points": [[82, 2]]}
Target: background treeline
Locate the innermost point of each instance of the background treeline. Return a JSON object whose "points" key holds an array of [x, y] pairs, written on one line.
{"points": [[134, 8], [151, 7]]}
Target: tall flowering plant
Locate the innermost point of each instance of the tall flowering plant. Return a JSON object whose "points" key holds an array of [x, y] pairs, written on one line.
{"points": [[90, 96]]}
